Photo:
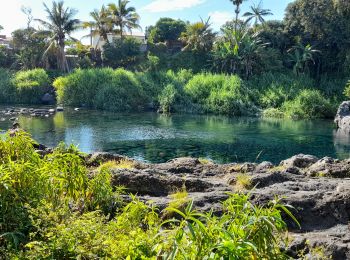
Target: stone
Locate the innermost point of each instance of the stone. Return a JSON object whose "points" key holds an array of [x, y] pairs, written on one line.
{"points": [[48, 99], [342, 118], [299, 161], [59, 109]]}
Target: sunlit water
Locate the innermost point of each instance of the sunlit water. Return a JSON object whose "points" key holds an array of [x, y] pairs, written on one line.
{"points": [[156, 138]]}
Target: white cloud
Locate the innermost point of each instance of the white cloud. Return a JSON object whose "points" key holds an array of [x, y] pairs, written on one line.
{"points": [[219, 18], [158, 6]]}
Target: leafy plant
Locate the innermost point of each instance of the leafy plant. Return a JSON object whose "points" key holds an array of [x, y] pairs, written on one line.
{"points": [[31, 85]]}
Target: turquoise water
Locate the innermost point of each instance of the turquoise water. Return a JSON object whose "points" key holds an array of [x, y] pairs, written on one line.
{"points": [[157, 138]]}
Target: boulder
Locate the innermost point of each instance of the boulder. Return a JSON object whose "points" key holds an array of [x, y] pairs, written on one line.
{"points": [[342, 118], [48, 99], [299, 161]]}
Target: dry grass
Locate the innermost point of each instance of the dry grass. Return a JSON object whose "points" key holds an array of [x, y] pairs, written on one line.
{"points": [[243, 182], [122, 164], [179, 199], [205, 161]]}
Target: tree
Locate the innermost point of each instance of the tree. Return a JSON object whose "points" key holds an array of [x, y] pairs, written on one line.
{"points": [[237, 52], [59, 26], [101, 25], [167, 29], [1, 28], [324, 24], [122, 53], [257, 13], [123, 17], [238, 4], [198, 37], [29, 47], [301, 56], [28, 12]]}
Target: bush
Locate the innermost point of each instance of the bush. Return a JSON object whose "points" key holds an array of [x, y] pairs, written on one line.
{"points": [[7, 89], [123, 53], [220, 94], [114, 90], [31, 85], [167, 98], [273, 89], [309, 104]]}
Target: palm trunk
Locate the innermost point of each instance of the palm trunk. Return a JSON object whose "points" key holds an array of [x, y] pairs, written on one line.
{"points": [[62, 61], [237, 14]]}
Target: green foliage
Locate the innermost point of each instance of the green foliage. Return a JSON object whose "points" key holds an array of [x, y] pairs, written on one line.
{"points": [[51, 208], [7, 89], [347, 89], [122, 53], [323, 24], [6, 57], [218, 93], [309, 104], [114, 90], [31, 85], [167, 29], [167, 98], [271, 90]]}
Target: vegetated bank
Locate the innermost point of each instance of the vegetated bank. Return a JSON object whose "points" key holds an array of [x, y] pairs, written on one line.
{"points": [[63, 204], [269, 94]]}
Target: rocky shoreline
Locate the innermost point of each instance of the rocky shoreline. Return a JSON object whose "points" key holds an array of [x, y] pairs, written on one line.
{"points": [[318, 189], [13, 113]]}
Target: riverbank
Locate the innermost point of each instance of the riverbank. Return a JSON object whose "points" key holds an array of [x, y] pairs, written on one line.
{"points": [[68, 204], [318, 190], [269, 94]]}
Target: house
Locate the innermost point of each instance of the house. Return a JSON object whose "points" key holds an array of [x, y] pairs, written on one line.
{"points": [[4, 41], [98, 42]]}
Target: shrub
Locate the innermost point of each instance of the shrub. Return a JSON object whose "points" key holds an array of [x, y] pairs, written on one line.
{"points": [[114, 90], [273, 89], [7, 89], [122, 53], [347, 89], [31, 85], [309, 104], [121, 93], [167, 98], [220, 94]]}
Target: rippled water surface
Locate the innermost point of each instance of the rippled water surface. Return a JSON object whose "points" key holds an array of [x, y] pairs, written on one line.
{"points": [[156, 138]]}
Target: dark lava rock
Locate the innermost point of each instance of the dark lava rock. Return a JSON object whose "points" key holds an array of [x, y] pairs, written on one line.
{"points": [[48, 99], [299, 161], [321, 204]]}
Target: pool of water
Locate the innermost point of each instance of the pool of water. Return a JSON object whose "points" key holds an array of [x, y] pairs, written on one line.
{"points": [[157, 138]]}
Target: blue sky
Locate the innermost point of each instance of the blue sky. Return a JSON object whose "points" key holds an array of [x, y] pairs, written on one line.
{"points": [[150, 11]]}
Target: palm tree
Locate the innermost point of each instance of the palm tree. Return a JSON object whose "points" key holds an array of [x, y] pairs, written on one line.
{"points": [[238, 4], [123, 17], [301, 56], [257, 13], [101, 24], [59, 26], [198, 36]]}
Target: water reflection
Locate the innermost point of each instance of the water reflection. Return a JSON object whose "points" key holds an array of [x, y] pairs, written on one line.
{"points": [[158, 138]]}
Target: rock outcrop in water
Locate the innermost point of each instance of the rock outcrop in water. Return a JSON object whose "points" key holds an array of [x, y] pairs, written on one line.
{"points": [[342, 119], [318, 189]]}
